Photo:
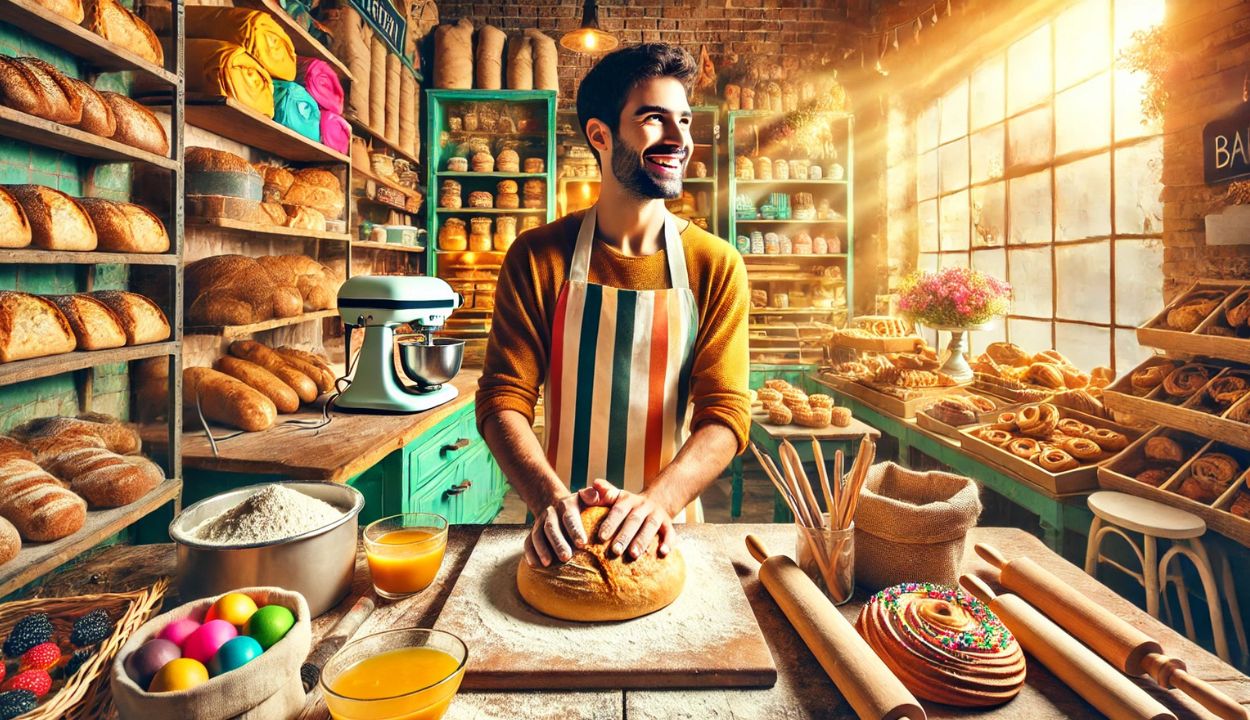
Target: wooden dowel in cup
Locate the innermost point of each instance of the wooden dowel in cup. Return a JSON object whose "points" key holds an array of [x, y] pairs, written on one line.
{"points": [[791, 481], [839, 465], [824, 480], [781, 489], [800, 475]]}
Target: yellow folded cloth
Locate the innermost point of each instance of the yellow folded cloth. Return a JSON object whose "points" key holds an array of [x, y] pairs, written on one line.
{"points": [[254, 30], [222, 68]]}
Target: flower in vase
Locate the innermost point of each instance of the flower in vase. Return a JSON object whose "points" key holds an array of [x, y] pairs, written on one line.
{"points": [[953, 297]]}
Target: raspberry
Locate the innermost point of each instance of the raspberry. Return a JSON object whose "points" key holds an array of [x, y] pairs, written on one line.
{"points": [[16, 702], [38, 682], [91, 628], [27, 633], [79, 659], [43, 656]]}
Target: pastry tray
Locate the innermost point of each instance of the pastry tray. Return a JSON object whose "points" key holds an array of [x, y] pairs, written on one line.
{"points": [[1010, 390], [1157, 334], [928, 422], [1084, 477], [884, 402], [1118, 474], [906, 343], [1194, 415]]}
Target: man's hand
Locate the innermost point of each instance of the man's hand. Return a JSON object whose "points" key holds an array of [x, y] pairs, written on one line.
{"points": [[549, 542], [634, 519]]}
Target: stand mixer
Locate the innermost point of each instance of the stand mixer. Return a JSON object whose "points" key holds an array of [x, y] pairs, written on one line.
{"points": [[378, 303]]}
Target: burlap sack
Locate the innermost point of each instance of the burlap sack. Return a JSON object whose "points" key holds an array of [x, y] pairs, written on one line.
{"points": [[910, 526], [489, 68], [546, 60], [377, 86], [453, 55], [351, 42], [394, 83], [409, 117], [520, 63], [268, 688]]}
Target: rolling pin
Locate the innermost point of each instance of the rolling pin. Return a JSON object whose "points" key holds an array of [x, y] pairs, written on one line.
{"points": [[310, 671], [868, 685], [1127, 648], [1102, 686]]}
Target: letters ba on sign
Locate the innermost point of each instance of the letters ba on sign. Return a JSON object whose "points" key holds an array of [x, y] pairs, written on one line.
{"points": [[1226, 147]]}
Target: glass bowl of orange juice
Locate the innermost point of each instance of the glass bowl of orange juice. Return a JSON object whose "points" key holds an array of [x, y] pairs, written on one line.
{"points": [[405, 674], [405, 552]]}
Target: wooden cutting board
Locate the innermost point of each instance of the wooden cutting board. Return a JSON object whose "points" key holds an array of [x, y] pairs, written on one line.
{"points": [[708, 637]]}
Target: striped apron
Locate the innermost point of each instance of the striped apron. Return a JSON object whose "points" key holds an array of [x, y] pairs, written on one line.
{"points": [[617, 396]]}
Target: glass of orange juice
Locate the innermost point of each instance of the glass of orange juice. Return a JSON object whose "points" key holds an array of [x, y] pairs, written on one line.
{"points": [[405, 674], [405, 552]]}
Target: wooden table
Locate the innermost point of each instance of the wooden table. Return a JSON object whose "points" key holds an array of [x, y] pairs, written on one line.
{"points": [[802, 690]]}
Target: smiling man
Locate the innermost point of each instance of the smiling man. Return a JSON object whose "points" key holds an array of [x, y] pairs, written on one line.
{"points": [[631, 321]]}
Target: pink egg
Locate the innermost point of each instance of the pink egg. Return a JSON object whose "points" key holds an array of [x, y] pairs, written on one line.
{"points": [[178, 631], [202, 644]]}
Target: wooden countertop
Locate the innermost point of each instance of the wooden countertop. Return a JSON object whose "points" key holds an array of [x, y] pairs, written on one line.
{"points": [[349, 445], [802, 690]]}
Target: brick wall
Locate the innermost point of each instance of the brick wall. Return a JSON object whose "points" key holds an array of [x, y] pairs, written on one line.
{"points": [[1213, 40]]}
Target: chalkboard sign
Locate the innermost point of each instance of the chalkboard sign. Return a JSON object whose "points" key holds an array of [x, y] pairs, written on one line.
{"points": [[1226, 147], [385, 20]]}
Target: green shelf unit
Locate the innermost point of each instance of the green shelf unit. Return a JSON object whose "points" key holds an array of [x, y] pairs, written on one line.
{"points": [[743, 135]]}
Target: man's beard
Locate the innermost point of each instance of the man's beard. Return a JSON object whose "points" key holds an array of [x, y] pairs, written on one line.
{"points": [[628, 168]]}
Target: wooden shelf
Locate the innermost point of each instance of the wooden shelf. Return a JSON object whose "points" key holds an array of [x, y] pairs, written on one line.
{"points": [[37, 559], [29, 256], [470, 174], [231, 119], [385, 247], [750, 257], [490, 211], [305, 44], [38, 22], [791, 181], [247, 228], [797, 311], [836, 221], [37, 131], [407, 191], [23, 370], [228, 332], [365, 130]]}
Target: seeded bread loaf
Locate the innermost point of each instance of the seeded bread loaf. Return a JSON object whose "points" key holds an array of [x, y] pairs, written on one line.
{"points": [[318, 285], [71, 10], [37, 504], [125, 227], [103, 478], [114, 22], [97, 115], [220, 173], [57, 221], [317, 189], [137, 126], [95, 325], [31, 327], [236, 290], [113, 434], [35, 87], [142, 319], [14, 225]]}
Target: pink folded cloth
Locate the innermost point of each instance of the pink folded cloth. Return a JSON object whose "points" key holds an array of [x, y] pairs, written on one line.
{"points": [[320, 80], [335, 132]]}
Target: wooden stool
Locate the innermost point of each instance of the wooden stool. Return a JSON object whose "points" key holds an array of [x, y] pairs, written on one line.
{"points": [[1154, 520]]}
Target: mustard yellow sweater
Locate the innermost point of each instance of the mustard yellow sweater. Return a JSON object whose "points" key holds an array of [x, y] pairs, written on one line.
{"points": [[534, 271]]}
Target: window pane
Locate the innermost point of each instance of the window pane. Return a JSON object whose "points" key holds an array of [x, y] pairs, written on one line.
{"points": [[1130, 119], [927, 175], [953, 160], [987, 153], [955, 230], [927, 226], [1086, 346], [928, 262], [1084, 275], [1083, 116], [1030, 277], [979, 340], [1082, 42], [1029, 138], [954, 109], [1138, 280], [1128, 352], [1032, 335], [989, 93], [1134, 15], [1082, 199], [1138, 184], [1029, 221], [1028, 70], [989, 214], [927, 129], [955, 259], [992, 262]]}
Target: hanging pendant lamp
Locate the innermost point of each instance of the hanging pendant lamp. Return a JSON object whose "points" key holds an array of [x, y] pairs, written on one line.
{"points": [[589, 38]]}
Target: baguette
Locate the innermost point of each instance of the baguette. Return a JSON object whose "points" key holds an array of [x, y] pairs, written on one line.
{"points": [[37, 504], [226, 400], [114, 435], [274, 363], [95, 325], [283, 396], [323, 379], [31, 327], [142, 319], [103, 478], [307, 356]]}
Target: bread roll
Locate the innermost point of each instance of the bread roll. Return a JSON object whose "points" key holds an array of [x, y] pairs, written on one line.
{"points": [[13, 448], [112, 21], [143, 320], [318, 285], [36, 503], [595, 587], [283, 396], [274, 363], [304, 218], [57, 221], [125, 227], [95, 324], [317, 189], [113, 434], [236, 290], [31, 327], [137, 126], [226, 400], [277, 180], [71, 10], [97, 115], [10, 541], [14, 225], [103, 478], [276, 214]]}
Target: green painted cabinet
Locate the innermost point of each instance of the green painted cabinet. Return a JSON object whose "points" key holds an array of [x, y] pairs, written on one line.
{"points": [[450, 471]]}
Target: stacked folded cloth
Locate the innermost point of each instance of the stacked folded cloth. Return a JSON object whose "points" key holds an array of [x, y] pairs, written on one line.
{"points": [[222, 68], [253, 30], [322, 83], [293, 107], [237, 53]]}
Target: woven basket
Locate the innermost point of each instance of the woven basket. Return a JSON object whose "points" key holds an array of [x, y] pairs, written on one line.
{"points": [[86, 695]]}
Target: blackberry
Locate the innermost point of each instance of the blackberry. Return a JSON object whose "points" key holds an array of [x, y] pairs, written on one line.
{"points": [[91, 628], [79, 658], [16, 702], [30, 631]]}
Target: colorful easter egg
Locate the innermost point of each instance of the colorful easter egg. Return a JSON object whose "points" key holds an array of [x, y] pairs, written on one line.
{"points": [[236, 653], [178, 631], [204, 642], [269, 624], [180, 674], [234, 608], [143, 664]]}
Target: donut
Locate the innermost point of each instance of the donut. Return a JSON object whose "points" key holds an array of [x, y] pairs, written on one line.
{"points": [[1083, 449], [1026, 448], [840, 416], [1074, 428], [768, 396], [793, 398], [943, 644], [1148, 378], [777, 384], [1055, 460], [816, 417], [1186, 380], [1109, 440], [1039, 420], [779, 414], [1006, 421], [994, 436], [820, 401]]}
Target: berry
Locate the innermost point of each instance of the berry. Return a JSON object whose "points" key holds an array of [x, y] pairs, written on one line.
{"points": [[27, 633], [79, 659], [43, 656], [37, 681], [91, 628], [16, 702]]}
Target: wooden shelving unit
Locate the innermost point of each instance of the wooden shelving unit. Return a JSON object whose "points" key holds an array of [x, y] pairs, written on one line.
{"points": [[365, 131], [385, 247], [469, 174], [232, 332], [491, 211], [16, 125], [246, 228], [233, 120], [28, 256], [305, 44], [35, 368]]}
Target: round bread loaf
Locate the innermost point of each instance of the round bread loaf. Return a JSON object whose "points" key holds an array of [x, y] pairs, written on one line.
{"points": [[596, 587]]}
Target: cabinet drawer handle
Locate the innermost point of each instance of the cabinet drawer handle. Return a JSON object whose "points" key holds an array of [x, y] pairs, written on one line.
{"points": [[457, 446], [457, 489]]}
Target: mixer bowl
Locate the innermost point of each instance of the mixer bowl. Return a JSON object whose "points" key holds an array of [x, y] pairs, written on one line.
{"points": [[429, 366]]}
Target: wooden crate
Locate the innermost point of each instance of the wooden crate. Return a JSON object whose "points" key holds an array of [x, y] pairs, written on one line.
{"points": [[1157, 334], [932, 424], [1193, 415], [875, 344], [1010, 390], [886, 403]]}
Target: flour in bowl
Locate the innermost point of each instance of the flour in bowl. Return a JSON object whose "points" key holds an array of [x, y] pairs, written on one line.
{"points": [[272, 513]]}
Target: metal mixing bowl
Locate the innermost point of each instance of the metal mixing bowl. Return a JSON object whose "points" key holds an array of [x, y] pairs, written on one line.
{"points": [[429, 366], [318, 564]]}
